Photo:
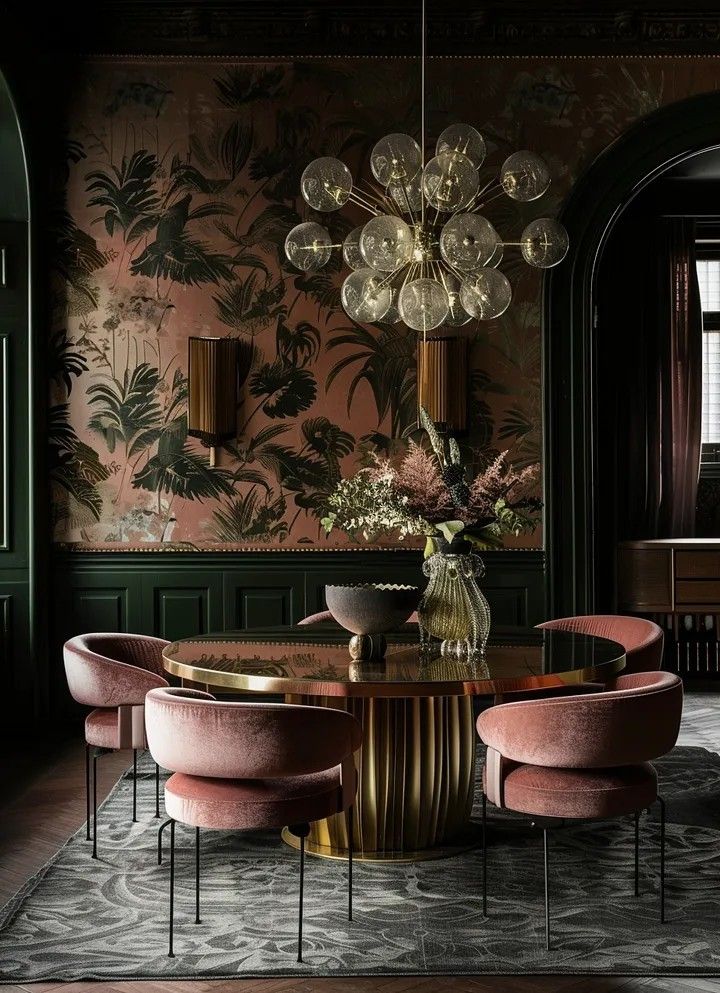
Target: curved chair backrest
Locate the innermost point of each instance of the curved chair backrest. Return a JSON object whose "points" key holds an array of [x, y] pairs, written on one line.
{"points": [[195, 734], [112, 670], [636, 720], [642, 639], [323, 615]]}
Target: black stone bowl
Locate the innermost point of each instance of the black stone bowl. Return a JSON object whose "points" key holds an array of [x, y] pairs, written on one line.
{"points": [[372, 608]]}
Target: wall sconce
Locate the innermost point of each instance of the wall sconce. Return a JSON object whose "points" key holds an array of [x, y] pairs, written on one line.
{"points": [[442, 377], [212, 386]]}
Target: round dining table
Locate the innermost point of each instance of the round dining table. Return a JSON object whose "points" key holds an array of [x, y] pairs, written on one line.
{"points": [[416, 766]]}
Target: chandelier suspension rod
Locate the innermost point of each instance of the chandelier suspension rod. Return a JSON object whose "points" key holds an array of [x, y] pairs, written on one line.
{"points": [[422, 112]]}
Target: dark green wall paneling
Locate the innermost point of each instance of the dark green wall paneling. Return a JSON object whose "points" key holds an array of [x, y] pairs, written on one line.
{"points": [[178, 595]]}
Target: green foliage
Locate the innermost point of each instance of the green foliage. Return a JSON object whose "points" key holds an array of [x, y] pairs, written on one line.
{"points": [[183, 473], [129, 194], [64, 360], [249, 516], [75, 257], [287, 390], [127, 410], [74, 467]]}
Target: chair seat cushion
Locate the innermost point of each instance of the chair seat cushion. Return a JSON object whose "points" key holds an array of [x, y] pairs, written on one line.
{"points": [[234, 804], [547, 792], [101, 728]]}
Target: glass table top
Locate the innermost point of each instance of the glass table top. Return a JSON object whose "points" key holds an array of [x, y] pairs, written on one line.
{"points": [[315, 661]]}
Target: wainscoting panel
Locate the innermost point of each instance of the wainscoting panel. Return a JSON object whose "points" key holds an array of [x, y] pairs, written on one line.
{"points": [[181, 594]]}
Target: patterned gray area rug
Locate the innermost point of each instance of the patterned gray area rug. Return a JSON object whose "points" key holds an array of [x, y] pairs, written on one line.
{"points": [[80, 919]]}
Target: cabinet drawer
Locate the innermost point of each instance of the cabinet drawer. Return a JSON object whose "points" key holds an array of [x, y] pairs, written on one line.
{"points": [[697, 565], [690, 592]]}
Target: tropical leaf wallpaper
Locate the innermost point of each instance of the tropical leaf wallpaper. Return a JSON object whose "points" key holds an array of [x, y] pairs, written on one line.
{"points": [[178, 186]]}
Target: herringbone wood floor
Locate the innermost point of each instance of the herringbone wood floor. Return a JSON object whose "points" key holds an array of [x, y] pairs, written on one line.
{"points": [[43, 804]]}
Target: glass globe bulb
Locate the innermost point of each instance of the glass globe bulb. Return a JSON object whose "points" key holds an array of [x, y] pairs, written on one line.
{"points": [[386, 243], [468, 242], [457, 315], [364, 298], [351, 249], [497, 256], [449, 181], [326, 184], [423, 304], [395, 158], [487, 294], [463, 138], [307, 246], [524, 176], [544, 242], [408, 196]]}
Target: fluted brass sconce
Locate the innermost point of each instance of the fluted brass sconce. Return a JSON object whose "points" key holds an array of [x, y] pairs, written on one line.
{"points": [[212, 384], [442, 376]]}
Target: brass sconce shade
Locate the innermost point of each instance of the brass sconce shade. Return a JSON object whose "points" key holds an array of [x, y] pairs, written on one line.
{"points": [[442, 375], [212, 384]]}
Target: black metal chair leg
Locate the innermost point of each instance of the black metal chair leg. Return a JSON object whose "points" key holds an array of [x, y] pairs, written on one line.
{"points": [[350, 820], [157, 790], [87, 792], [300, 909], [94, 779], [637, 853], [484, 855], [547, 891], [662, 859], [197, 875], [134, 817], [171, 953], [160, 831]]}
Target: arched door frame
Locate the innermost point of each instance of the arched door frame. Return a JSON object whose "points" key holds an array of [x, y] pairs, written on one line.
{"points": [[653, 145]]}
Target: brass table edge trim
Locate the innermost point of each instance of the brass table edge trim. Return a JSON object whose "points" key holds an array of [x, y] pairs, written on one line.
{"points": [[299, 687]]}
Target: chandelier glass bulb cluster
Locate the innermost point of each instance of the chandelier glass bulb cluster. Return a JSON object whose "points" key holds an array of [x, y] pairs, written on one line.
{"points": [[428, 256]]}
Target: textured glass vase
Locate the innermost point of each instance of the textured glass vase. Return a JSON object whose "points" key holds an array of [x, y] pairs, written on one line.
{"points": [[453, 608]]}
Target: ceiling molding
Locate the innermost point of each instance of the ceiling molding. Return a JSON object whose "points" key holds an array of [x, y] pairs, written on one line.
{"points": [[320, 28]]}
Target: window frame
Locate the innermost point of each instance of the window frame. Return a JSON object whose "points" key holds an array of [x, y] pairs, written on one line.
{"points": [[709, 451]]}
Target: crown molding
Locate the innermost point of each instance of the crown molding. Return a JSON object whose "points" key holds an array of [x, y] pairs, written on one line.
{"points": [[319, 28]]}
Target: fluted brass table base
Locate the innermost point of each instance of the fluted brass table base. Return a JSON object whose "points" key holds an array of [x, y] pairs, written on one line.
{"points": [[416, 772]]}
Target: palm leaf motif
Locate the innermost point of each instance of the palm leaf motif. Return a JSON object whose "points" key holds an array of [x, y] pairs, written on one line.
{"points": [[176, 256], [127, 410], [287, 390], [249, 516], [235, 147], [65, 361], [183, 473], [75, 257], [387, 366], [328, 441], [187, 178], [128, 194], [75, 467], [245, 84], [299, 345], [244, 308]]}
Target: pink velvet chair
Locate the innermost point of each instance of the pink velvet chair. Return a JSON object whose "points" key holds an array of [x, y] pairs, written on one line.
{"points": [[112, 673], [249, 767], [641, 639], [582, 757]]}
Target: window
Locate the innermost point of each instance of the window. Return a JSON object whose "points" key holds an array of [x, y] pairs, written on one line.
{"points": [[708, 270]]}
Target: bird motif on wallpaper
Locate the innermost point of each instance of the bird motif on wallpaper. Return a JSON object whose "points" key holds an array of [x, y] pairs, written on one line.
{"points": [[176, 255]]}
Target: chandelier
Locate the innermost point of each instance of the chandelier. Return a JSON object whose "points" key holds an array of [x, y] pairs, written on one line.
{"points": [[428, 256]]}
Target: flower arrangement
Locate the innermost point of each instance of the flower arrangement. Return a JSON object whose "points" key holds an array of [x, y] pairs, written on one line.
{"points": [[433, 494]]}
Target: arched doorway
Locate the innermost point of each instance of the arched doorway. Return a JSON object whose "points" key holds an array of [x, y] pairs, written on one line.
{"points": [[18, 412], [643, 153]]}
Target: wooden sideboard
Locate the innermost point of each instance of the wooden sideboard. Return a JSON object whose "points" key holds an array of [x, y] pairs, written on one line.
{"points": [[676, 582]]}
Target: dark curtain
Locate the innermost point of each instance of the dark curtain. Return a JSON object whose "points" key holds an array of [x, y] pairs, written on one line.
{"points": [[658, 401]]}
